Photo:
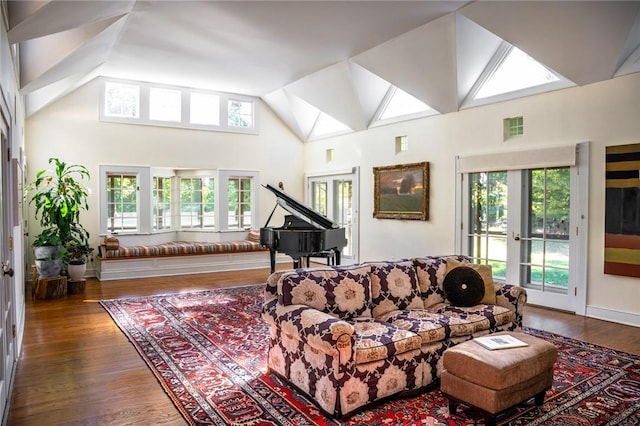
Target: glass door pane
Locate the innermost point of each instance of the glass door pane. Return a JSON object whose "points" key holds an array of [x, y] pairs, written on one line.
{"points": [[487, 239], [319, 196], [544, 250], [525, 224], [335, 196], [343, 211]]}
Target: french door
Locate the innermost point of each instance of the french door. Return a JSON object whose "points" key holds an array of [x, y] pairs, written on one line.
{"points": [[526, 224], [7, 289], [335, 196]]}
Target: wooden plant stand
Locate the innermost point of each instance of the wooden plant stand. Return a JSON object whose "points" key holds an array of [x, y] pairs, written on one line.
{"points": [[76, 287], [49, 288]]}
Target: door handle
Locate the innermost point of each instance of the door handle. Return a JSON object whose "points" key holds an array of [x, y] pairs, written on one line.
{"points": [[516, 237], [6, 269]]}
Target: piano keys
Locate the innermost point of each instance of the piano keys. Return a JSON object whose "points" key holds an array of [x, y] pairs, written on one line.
{"points": [[303, 233]]}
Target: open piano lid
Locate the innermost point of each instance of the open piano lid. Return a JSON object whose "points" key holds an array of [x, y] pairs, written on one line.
{"points": [[300, 211]]}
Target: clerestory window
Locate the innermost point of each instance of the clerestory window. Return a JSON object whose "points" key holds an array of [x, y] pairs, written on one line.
{"points": [[240, 113], [136, 102], [165, 104], [121, 100]]}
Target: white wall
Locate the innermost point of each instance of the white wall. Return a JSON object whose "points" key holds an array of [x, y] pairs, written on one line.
{"points": [[69, 129], [606, 113]]}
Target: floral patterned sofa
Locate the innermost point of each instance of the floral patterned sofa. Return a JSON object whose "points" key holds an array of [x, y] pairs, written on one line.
{"points": [[351, 336]]}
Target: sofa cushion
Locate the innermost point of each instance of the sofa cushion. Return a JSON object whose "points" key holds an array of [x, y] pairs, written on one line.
{"points": [[431, 271], [481, 317], [463, 286], [343, 292], [394, 285], [376, 340], [430, 326], [485, 272]]}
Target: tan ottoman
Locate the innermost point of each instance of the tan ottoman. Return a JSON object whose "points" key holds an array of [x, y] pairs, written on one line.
{"points": [[494, 380]]}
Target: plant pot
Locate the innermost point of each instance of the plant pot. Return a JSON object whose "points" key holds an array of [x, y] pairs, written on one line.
{"points": [[76, 272], [46, 252], [49, 268]]}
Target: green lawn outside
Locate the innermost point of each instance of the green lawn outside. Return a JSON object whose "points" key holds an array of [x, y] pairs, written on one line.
{"points": [[556, 272], [411, 203]]}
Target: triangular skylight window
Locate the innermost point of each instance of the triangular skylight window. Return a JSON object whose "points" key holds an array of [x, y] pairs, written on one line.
{"points": [[401, 104], [328, 126], [516, 71]]}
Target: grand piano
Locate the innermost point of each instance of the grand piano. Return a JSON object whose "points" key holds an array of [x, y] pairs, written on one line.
{"points": [[305, 232]]}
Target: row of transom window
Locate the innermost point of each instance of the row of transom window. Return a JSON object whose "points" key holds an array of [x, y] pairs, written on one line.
{"points": [[145, 103]]}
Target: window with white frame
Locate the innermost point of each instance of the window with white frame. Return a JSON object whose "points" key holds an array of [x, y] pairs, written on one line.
{"points": [[161, 203], [240, 113], [399, 103], [204, 109], [125, 199], [197, 202], [165, 104], [121, 100], [239, 196], [136, 102], [144, 200], [122, 202]]}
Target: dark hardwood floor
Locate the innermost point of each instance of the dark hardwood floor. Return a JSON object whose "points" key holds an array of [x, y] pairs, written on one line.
{"points": [[77, 368]]}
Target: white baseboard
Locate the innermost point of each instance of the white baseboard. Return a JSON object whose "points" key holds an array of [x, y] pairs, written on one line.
{"points": [[627, 318], [116, 269]]}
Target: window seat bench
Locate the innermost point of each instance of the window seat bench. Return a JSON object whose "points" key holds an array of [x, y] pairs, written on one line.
{"points": [[180, 248], [179, 257]]}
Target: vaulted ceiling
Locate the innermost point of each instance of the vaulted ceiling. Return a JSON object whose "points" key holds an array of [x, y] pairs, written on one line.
{"points": [[340, 57]]}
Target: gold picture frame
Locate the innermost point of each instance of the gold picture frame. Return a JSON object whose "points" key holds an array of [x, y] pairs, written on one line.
{"points": [[401, 192]]}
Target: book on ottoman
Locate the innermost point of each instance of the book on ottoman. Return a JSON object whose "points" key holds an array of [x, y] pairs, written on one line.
{"points": [[499, 342]]}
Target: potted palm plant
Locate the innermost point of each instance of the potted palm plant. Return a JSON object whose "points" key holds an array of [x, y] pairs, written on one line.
{"points": [[59, 194]]}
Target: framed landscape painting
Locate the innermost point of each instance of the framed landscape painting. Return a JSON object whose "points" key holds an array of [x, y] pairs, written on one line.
{"points": [[401, 192]]}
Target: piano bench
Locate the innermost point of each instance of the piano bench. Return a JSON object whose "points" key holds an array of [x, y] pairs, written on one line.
{"points": [[330, 255]]}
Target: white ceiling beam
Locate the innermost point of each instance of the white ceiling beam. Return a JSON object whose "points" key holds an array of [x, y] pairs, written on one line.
{"points": [[305, 114], [422, 62], [331, 90], [581, 40], [38, 99], [279, 103], [371, 91], [58, 16], [474, 49], [631, 64], [630, 58], [63, 54]]}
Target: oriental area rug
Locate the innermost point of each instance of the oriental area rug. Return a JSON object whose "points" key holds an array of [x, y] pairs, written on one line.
{"points": [[208, 351]]}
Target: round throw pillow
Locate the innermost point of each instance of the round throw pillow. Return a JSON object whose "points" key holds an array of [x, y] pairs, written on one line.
{"points": [[463, 286]]}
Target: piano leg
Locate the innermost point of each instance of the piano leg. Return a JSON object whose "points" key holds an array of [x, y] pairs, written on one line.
{"points": [[330, 255], [272, 259], [336, 254], [298, 263]]}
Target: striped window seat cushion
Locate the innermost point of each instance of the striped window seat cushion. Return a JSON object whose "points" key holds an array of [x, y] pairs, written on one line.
{"points": [[179, 248]]}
